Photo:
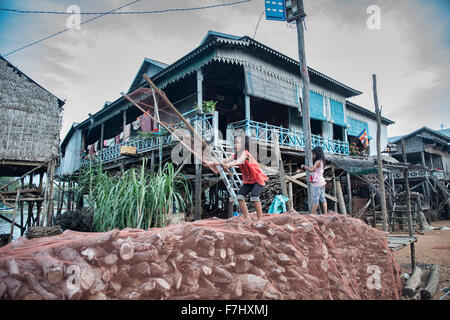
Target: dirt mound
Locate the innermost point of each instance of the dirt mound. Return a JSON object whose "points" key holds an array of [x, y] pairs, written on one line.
{"points": [[288, 256]]}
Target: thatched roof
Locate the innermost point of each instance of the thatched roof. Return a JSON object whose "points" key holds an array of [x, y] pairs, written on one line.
{"points": [[30, 117]]}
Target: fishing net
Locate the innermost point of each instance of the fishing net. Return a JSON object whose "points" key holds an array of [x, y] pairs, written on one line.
{"points": [[287, 256], [162, 118]]}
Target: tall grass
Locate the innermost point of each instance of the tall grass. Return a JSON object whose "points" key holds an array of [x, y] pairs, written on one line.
{"points": [[135, 199]]}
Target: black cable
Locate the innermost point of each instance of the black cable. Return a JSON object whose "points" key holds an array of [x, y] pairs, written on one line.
{"points": [[256, 29], [126, 12], [106, 13], [67, 29]]}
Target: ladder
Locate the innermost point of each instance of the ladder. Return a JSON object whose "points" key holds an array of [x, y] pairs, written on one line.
{"points": [[232, 183]]}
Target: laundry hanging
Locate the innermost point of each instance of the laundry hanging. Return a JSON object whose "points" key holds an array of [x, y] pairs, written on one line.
{"points": [[127, 132], [136, 124], [146, 123]]}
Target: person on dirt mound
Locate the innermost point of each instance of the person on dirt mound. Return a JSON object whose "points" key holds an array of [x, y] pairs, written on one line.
{"points": [[253, 178], [317, 180]]}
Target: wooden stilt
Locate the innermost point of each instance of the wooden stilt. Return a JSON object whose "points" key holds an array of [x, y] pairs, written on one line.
{"points": [[62, 197], [333, 174], [379, 162], [290, 188], [349, 192], [408, 202], [340, 198], [13, 218], [372, 197], [281, 168]]}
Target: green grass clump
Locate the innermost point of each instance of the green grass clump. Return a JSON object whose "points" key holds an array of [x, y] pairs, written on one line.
{"points": [[135, 199]]}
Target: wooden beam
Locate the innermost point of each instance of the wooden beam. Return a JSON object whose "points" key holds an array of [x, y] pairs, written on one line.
{"points": [[13, 219], [281, 168], [23, 191], [408, 203], [333, 176], [349, 193], [363, 209], [24, 175], [341, 198], [432, 285], [413, 282], [304, 185]]}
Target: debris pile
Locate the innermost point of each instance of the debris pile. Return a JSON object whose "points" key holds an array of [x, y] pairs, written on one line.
{"points": [[287, 256], [76, 220]]}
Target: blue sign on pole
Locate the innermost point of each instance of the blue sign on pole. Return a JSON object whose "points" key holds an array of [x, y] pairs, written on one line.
{"points": [[275, 10]]}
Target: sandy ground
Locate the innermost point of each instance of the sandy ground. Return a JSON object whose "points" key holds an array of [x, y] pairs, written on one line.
{"points": [[432, 247]]}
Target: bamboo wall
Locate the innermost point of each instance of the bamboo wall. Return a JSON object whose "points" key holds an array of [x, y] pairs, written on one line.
{"points": [[30, 118]]}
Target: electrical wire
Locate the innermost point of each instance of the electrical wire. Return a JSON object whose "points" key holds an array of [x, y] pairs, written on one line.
{"points": [[256, 29], [67, 29], [103, 14], [125, 12]]}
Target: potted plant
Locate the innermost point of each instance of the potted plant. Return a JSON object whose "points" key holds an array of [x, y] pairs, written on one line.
{"points": [[207, 106]]}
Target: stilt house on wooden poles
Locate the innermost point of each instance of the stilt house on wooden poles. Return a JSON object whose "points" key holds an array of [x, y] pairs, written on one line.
{"points": [[30, 124], [256, 90]]}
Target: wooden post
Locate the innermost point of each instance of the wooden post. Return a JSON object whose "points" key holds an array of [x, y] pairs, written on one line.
{"points": [[281, 168], [333, 175], [290, 189], [305, 98], [341, 198], [124, 119], [62, 197], [83, 141], [349, 192], [408, 202], [102, 135], [51, 202], [379, 163], [372, 197], [152, 162], [21, 205], [198, 147], [230, 208], [13, 218]]}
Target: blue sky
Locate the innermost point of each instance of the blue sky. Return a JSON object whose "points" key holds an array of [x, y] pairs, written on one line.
{"points": [[410, 54]]}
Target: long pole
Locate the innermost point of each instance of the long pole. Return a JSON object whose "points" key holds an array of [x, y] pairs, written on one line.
{"points": [[408, 203], [305, 103], [379, 164]]}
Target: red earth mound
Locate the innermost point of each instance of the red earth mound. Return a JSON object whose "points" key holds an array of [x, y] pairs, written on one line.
{"points": [[288, 256]]}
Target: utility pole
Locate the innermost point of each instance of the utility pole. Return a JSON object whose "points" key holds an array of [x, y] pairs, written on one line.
{"points": [[305, 91], [408, 204], [379, 163]]}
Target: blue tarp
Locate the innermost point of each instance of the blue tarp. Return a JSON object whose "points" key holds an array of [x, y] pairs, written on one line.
{"points": [[278, 204]]}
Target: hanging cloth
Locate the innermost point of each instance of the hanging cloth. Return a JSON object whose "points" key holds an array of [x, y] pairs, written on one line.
{"points": [[136, 124], [127, 132], [146, 124]]}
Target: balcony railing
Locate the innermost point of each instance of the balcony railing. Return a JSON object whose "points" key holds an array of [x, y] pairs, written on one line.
{"points": [[420, 174], [263, 132], [147, 144]]}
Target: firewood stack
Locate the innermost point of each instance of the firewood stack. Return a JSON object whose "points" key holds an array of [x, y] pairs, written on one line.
{"points": [[288, 256], [416, 197], [271, 189]]}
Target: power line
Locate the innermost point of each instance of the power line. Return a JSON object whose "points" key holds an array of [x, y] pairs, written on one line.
{"points": [[256, 29], [67, 29], [125, 12], [107, 13]]}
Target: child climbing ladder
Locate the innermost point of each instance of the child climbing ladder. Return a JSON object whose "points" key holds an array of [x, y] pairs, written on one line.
{"points": [[253, 177]]}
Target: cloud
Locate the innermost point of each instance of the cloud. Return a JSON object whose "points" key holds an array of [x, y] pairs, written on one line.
{"points": [[96, 63]]}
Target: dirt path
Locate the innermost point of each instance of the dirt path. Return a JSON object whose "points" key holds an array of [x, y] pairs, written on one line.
{"points": [[432, 247]]}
